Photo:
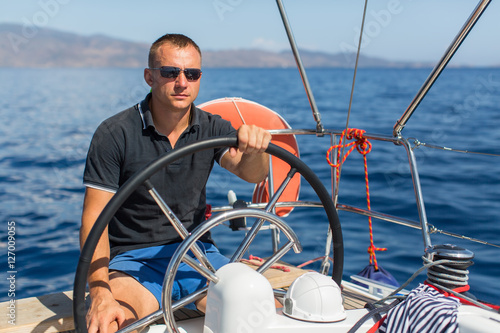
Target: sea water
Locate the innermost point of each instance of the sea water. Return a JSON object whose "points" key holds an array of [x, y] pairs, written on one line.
{"points": [[49, 116]]}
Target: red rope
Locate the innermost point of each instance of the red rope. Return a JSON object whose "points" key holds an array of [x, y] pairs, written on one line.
{"points": [[363, 146], [251, 257], [313, 260]]}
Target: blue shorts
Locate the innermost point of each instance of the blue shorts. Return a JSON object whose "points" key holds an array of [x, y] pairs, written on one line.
{"points": [[148, 266]]}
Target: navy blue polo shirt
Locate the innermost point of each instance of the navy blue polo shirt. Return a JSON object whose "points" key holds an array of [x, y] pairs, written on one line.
{"points": [[124, 144]]}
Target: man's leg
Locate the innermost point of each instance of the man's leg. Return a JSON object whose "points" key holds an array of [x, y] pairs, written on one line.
{"points": [[135, 299]]}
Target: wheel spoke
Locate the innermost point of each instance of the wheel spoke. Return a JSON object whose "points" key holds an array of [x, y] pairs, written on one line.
{"points": [[274, 199], [136, 326], [276, 196], [245, 244], [200, 293], [200, 269], [275, 257], [177, 224]]}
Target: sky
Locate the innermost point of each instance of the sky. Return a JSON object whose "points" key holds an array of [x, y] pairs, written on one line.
{"points": [[406, 30]]}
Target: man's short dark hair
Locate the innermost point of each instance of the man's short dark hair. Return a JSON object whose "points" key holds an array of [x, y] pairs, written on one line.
{"points": [[178, 40]]}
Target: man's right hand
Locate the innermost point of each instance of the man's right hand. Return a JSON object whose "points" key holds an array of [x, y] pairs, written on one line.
{"points": [[105, 314]]}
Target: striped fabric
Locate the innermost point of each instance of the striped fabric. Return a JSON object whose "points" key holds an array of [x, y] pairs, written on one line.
{"points": [[424, 310]]}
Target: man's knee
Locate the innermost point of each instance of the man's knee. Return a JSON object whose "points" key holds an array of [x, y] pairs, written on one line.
{"points": [[134, 298]]}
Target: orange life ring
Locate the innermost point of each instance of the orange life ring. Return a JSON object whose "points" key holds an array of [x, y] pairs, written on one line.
{"points": [[241, 111]]}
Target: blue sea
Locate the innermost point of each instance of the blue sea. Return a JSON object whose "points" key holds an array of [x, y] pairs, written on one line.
{"points": [[49, 116]]}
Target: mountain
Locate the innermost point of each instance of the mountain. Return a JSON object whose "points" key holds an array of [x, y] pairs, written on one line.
{"points": [[40, 47], [252, 58], [23, 46]]}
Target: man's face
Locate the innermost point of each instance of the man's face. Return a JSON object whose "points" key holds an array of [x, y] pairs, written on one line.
{"points": [[174, 94]]}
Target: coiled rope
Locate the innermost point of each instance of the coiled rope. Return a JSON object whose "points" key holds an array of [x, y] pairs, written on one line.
{"points": [[443, 275], [363, 146]]}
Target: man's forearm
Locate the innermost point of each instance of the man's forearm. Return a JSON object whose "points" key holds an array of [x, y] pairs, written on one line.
{"points": [[98, 276], [253, 167]]}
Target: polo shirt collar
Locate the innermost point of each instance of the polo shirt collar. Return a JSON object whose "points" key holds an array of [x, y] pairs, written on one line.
{"points": [[147, 117]]}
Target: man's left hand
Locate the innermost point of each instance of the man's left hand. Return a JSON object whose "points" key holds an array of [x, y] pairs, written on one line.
{"points": [[251, 140]]}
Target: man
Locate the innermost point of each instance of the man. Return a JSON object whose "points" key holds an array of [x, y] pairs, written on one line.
{"points": [[139, 237]]}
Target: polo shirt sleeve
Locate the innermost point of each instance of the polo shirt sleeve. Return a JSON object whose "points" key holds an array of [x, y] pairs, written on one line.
{"points": [[223, 128], [102, 168]]}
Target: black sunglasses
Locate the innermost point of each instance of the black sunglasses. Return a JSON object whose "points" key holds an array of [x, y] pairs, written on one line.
{"points": [[170, 72]]}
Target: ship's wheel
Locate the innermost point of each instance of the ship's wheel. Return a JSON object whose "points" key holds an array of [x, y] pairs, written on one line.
{"points": [[142, 178]]}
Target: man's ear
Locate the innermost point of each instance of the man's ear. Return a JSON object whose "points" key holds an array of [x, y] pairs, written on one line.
{"points": [[148, 76]]}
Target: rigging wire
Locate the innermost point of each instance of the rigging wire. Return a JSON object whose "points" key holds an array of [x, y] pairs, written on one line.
{"points": [[352, 94]]}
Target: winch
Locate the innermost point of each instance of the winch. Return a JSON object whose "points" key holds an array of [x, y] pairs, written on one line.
{"points": [[452, 273]]}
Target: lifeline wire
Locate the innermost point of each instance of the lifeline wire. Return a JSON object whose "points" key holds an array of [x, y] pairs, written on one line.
{"points": [[418, 144], [433, 229]]}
